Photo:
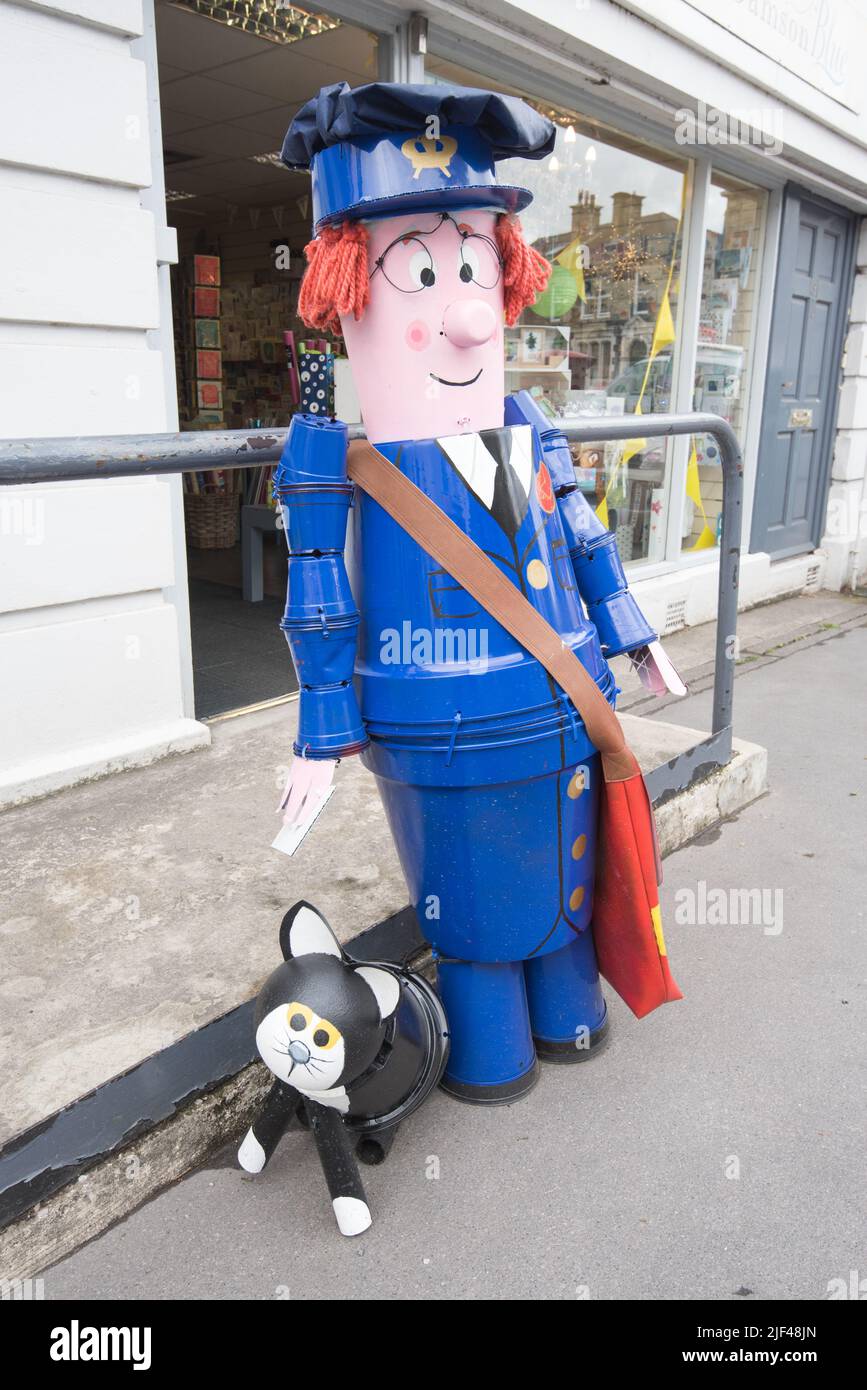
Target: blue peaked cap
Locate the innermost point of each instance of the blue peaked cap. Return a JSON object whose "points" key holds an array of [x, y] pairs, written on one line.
{"points": [[370, 154]]}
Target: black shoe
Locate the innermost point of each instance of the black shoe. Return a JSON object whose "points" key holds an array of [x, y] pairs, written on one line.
{"points": [[502, 1094], [566, 1052]]}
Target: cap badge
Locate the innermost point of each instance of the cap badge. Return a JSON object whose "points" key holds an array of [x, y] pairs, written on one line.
{"points": [[426, 152]]}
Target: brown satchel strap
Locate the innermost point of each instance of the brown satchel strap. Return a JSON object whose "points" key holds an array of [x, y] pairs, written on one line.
{"points": [[436, 533]]}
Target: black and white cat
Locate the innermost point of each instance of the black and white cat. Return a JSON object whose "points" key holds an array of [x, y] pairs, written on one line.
{"points": [[321, 1022]]}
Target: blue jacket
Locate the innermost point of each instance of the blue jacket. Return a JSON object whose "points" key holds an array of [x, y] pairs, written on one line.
{"points": [[429, 664]]}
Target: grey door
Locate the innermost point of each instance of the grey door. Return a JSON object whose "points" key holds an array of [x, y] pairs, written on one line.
{"points": [[804, 360]]}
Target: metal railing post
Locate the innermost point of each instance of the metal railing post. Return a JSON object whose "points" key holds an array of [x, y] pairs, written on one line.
{"points": [[658, 426]]}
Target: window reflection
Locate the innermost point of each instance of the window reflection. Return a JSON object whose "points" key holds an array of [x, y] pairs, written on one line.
{"points": [[607, 213], [729, 291]]}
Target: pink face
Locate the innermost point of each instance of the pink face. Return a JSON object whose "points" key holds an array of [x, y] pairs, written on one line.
{"points": [[427, 354]]}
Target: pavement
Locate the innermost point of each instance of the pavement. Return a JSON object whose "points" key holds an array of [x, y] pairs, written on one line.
{"points": [[713, 1150]]}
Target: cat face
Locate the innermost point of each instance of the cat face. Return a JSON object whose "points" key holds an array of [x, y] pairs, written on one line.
{"points": [[302, 1048], [321, 1019]]}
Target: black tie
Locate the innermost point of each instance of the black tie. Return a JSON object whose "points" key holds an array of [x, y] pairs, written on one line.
{"points": [[510, 502]]}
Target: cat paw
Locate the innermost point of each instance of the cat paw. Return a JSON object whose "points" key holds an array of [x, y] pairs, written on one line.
{"points": [[353, 1215], [251, 1155]]}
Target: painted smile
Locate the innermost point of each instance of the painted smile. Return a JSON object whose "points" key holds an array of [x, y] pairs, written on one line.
{"points": [[442, 381]]}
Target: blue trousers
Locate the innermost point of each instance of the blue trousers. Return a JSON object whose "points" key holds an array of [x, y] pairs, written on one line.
{"points": [[499, 1011], [502, 879]]}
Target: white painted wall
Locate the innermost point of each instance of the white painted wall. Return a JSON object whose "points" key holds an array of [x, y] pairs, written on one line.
{"points": [[93, 650]]}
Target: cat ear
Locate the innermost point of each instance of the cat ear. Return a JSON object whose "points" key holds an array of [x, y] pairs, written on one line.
{"points": [[305, 932], [384, 985]]}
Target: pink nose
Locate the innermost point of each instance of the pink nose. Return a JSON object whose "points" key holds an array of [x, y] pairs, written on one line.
{"points": [[469, 323]]}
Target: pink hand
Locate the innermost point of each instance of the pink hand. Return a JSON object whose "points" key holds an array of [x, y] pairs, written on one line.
{"points": [[655, 671], [306, 785]]}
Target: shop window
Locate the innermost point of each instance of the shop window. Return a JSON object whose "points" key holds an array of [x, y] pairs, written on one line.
{"points": [[729, 293], [607, 211]]}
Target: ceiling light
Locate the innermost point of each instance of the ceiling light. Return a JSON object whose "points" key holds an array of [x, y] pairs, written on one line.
{"points": [[275, 20]]}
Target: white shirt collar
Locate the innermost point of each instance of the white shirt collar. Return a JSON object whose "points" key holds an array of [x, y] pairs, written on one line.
{"points": [[477, 466], [521, 457]]}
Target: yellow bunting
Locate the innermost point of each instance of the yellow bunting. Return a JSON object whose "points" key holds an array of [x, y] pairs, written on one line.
{"points": [[707, 538], [693, 484], [663, 334]]}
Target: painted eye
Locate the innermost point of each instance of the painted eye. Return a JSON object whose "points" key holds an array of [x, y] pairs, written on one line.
{"points": [[468, 263], [407, 264], [299, 1016], [479, 262], [326, 1035], [422, 271]]}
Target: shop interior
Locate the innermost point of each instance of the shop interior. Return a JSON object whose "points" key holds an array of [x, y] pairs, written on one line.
{"points": [[228, 91]]}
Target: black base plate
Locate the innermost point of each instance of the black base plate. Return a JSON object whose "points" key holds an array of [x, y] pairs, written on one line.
{"points": [[503, 1094], [566, 1053]]}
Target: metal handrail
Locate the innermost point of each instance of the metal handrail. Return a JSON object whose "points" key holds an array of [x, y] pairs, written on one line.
{"points": [[31, 461]]}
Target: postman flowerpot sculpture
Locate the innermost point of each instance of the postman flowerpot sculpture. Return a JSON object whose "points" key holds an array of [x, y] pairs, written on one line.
{"points": [[489, 775]]}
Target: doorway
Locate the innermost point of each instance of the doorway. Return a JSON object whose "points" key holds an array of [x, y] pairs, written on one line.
{"points": [[814, 278], [231, 79]]}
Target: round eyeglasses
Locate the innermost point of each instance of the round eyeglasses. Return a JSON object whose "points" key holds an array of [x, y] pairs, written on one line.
{"points": [[408, 265]]}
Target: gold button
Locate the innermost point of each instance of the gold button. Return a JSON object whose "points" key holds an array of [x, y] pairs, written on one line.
{"points": [[576, 786], [537, 574], [576, 899], [579, 847]]}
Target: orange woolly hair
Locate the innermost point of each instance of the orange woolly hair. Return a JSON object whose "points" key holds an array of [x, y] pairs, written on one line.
{"points": [[525, 270], [336, 280]]}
